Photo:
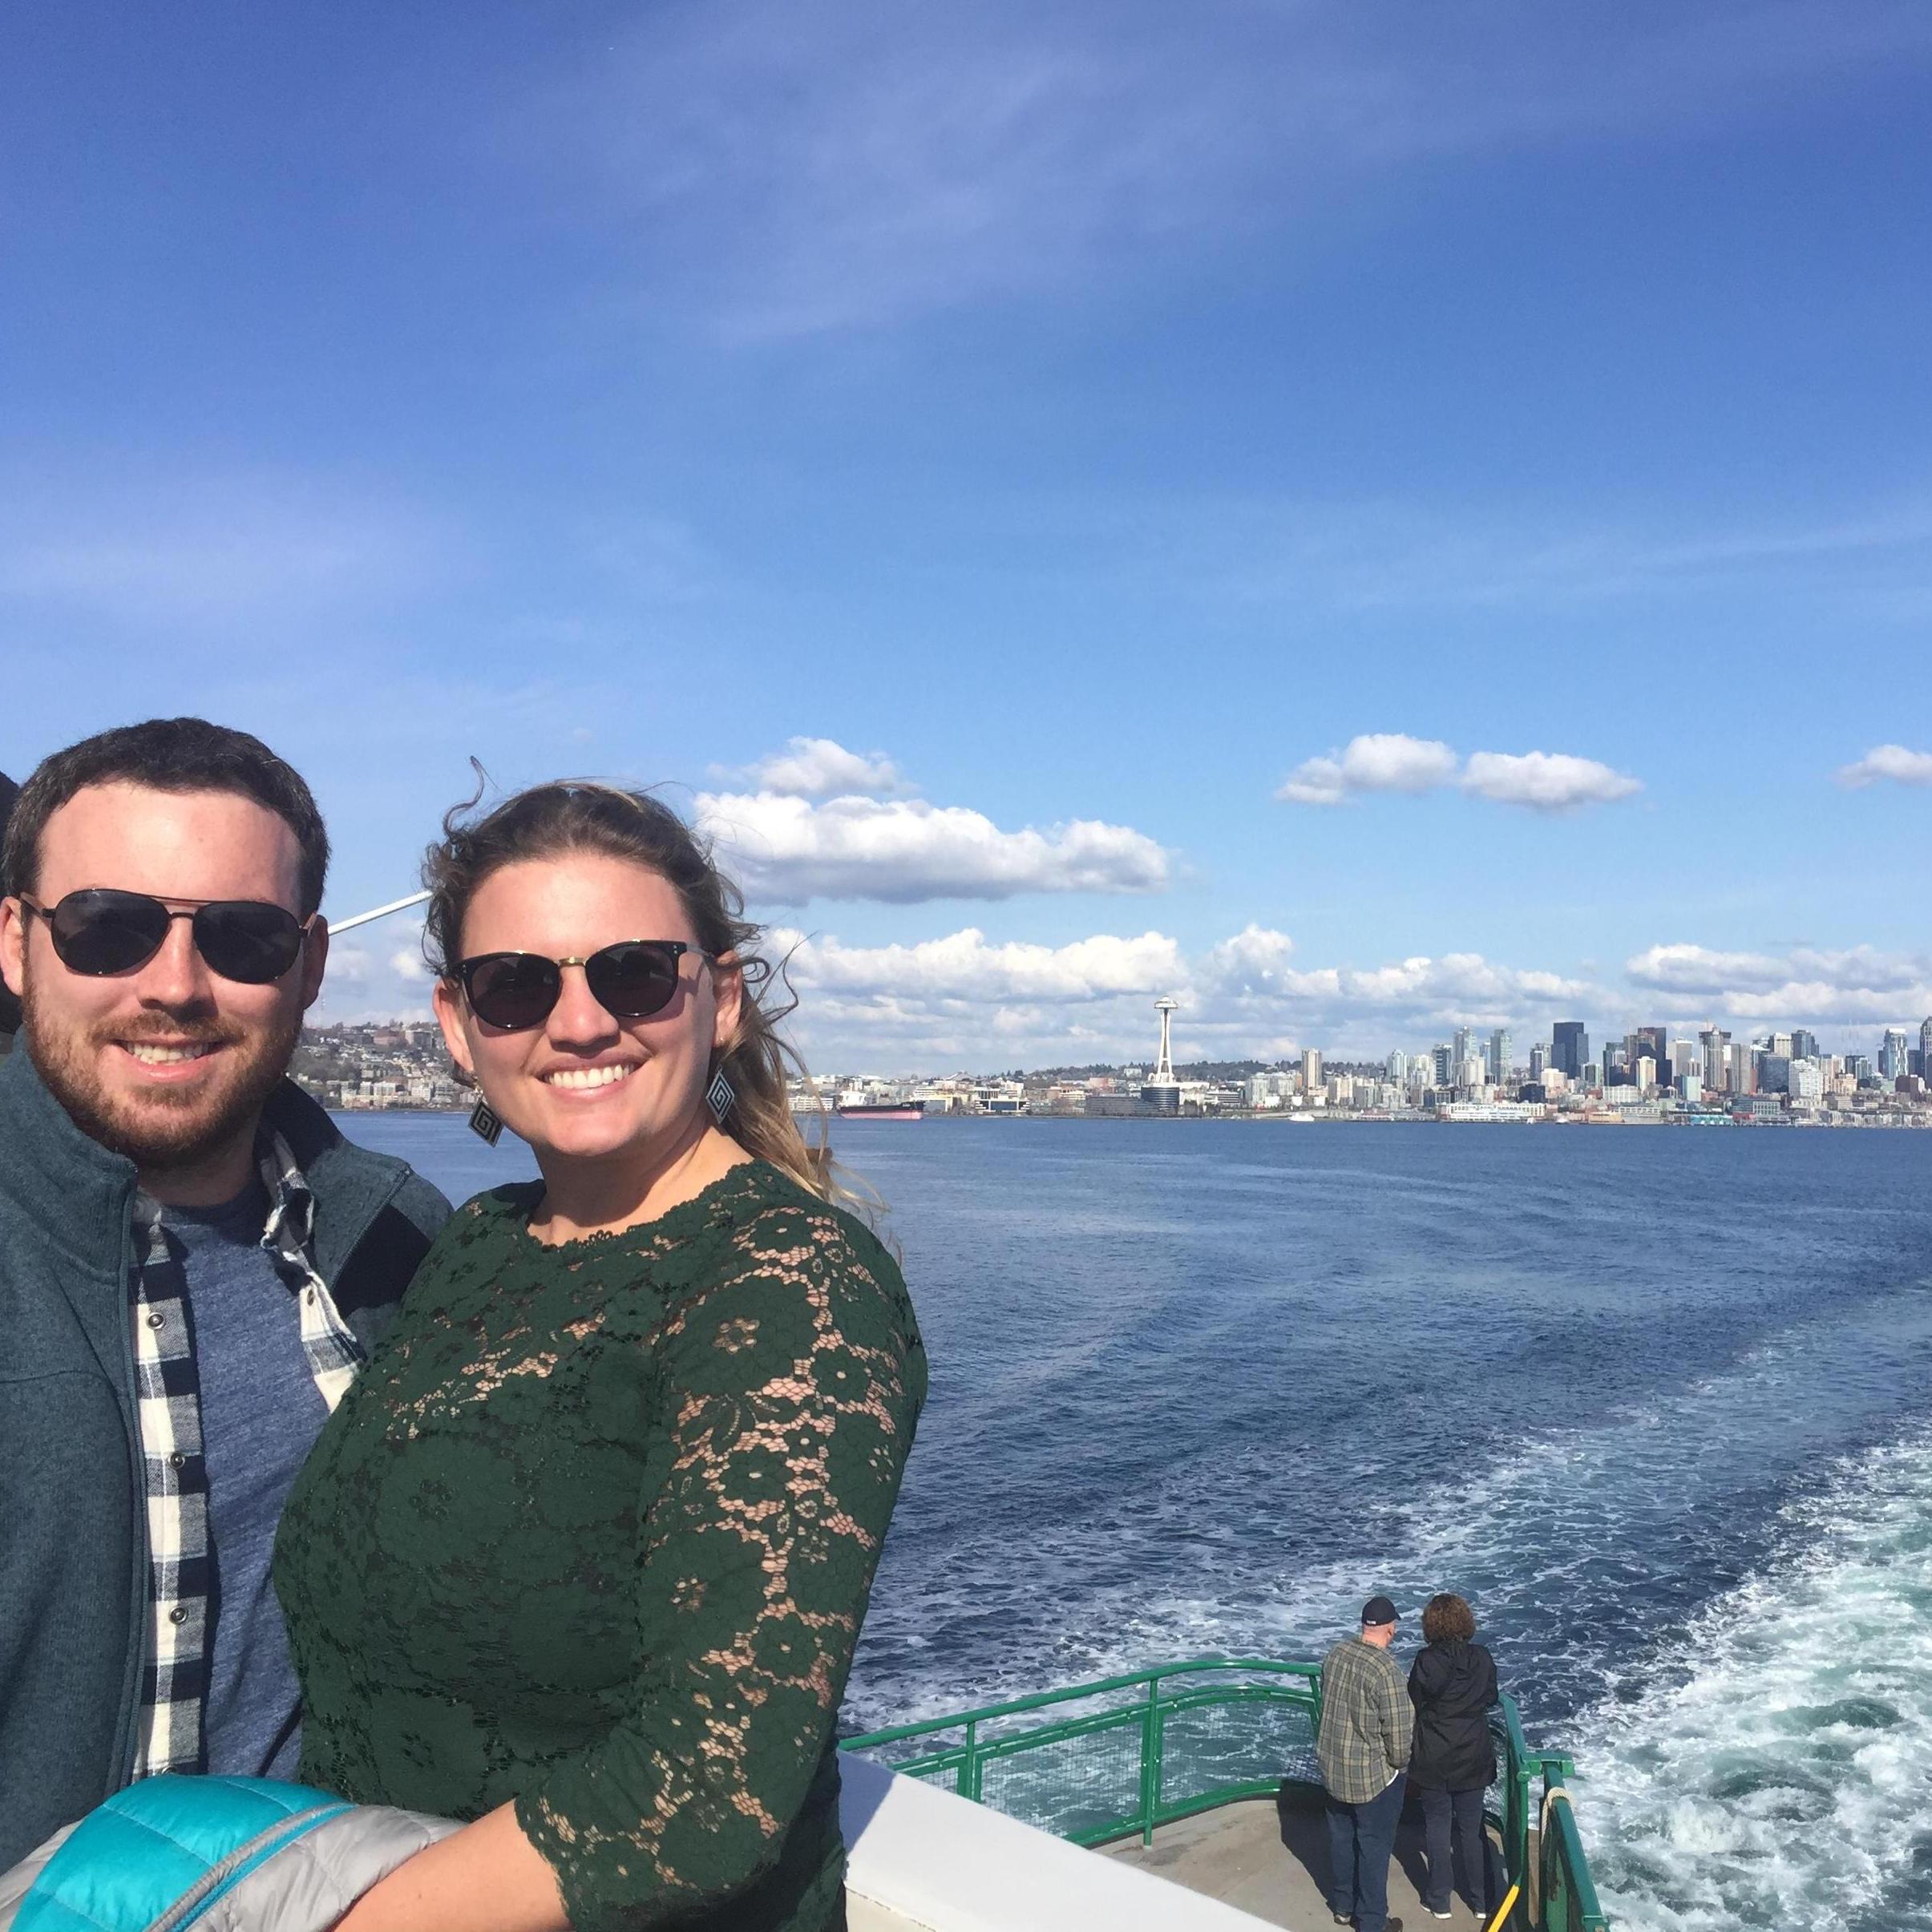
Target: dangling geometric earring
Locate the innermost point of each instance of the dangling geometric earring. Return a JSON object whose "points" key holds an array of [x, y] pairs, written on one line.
{"points": [[720, 1095], [484, 1124]]}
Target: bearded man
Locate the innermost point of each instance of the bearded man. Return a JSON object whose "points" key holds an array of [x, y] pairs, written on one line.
{"points": [[193, 1263]]}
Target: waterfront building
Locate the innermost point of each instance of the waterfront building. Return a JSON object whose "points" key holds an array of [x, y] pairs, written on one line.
{"points": [[1570, 1048]]}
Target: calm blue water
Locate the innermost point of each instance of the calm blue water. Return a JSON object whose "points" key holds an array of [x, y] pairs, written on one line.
{"points": [[1658, 1402]]}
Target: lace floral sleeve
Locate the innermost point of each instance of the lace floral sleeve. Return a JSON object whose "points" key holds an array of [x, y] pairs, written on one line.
{"points": [[789, 1381]]}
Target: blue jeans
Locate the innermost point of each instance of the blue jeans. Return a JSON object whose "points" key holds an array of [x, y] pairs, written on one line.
{"points": [[1457, 1814], [1361, 1838]]}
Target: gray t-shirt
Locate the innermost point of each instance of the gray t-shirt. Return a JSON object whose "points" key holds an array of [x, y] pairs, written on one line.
{"points": [[260, 1414]]}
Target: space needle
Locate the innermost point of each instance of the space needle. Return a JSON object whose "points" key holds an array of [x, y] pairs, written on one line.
{"points": [[1162, 1091]]}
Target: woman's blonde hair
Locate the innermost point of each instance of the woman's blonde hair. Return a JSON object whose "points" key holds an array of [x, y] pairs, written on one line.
{"points": [[581, 815]]}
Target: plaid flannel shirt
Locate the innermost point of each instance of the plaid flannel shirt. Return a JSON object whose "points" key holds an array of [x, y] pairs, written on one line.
{"points": [[1367, 1724], [175, 1676]]}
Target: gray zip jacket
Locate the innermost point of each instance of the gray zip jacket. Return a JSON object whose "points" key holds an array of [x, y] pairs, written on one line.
{"points": [[73, 1559]]}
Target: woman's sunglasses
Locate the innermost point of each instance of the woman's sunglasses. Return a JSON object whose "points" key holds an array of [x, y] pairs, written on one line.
{"points": [[514, 991], [100, 932]]}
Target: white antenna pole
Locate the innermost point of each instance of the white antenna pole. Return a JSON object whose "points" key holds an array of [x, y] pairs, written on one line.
{"points": [[362, 918]]}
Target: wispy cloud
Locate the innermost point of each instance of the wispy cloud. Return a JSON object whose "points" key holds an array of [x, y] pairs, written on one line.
{"points": [[870, 164], [205, 549], [1892, 762], [1391, 762]]}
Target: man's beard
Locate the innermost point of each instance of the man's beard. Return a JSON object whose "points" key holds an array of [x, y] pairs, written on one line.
{"points": [[166, 1128]]}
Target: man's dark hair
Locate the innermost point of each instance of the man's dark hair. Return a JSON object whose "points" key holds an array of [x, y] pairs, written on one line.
{"points": [[177, 754]]}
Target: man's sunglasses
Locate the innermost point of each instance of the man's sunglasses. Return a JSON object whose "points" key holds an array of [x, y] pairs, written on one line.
{"points": [[101, 932], [514, 991]]}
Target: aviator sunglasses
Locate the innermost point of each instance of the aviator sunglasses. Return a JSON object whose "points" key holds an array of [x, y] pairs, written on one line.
{"points": [[631, 979], [100, 932]]}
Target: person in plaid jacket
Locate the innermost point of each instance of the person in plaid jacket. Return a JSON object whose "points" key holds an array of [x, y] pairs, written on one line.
{"points": [[1366, 1729]]}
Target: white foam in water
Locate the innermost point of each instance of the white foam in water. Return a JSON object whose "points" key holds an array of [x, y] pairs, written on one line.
{"points": [[1775, 1768]]}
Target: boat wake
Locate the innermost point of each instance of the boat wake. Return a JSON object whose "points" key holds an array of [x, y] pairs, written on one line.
{"points": [[1771, 1769]]}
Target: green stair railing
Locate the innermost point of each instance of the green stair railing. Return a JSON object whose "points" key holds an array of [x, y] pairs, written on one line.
{"points": [[1122, 1756]]}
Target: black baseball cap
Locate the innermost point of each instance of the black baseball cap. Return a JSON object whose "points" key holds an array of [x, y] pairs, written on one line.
{"points": [[1379, 1610]]}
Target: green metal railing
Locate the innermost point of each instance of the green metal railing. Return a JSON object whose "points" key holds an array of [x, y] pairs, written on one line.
{"points": [[1100, 1761]]}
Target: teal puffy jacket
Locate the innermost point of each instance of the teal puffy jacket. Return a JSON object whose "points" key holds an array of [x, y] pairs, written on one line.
{"points": [[218, 1854]]}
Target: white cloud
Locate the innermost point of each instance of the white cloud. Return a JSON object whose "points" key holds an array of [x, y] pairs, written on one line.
{"points": [[961, 999], [1888, 762], [788, 850], [1544, 781], [1392, 761], [407, 962], [1378, 761], [962, 968], [822, 768], [1807, 986]]}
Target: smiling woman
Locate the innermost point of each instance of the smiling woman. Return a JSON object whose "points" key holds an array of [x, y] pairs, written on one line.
{"points": [[582, 1557]]}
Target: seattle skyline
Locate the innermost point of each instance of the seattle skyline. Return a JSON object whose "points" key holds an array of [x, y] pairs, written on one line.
{"points": [[1360, 524]]}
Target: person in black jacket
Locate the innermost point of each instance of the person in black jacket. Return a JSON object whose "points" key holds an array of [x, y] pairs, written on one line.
{"points": [[1452, 1684]]}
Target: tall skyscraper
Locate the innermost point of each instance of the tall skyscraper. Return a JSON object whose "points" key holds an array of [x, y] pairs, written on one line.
{"points": [[1311, 1070], [1570, 1048], [1500, 1048], [1739, 1078], [1715, 1043], [1804, 1045], [1652, 1043], [1442, 1065], [1463, 1045], [1893, 1055], [1539, 1058]]}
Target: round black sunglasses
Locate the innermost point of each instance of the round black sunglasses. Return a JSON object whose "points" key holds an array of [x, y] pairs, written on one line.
{"points": [[99, 932], [631, 979]]}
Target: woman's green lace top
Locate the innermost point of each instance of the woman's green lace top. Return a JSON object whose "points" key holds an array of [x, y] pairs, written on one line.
{"points": [[594, 1531]]}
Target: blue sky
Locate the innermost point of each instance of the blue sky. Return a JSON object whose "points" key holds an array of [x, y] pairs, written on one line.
{"points": [[1077, 426]]}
